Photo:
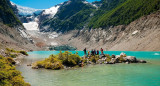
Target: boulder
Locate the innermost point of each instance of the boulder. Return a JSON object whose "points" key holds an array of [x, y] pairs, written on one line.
{"points": [[102, 56], [34, 67], [29, 64], [113, 61], [127, 63], [141, 61], [122, 54], [131, 59]]}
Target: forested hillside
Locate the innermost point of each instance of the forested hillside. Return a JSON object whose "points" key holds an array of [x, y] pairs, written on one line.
{"points": [[126, 12], [7, 15]]}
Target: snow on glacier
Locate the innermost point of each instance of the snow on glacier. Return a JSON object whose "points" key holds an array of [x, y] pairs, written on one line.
{"points": [[31, 26], [27, 10]]}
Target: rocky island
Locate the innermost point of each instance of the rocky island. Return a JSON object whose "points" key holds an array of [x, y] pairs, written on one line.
{"points": [[68, 60]]}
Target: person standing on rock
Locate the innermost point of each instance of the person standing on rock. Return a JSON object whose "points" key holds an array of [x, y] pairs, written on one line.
{"points": [[101, 51], [88, 53], [92, 52], [97, 52], [85, 51]]}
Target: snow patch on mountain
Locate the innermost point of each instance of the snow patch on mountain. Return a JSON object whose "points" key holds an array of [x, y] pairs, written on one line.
{"points": [[51, 11], [13, 4], [85, 2]]}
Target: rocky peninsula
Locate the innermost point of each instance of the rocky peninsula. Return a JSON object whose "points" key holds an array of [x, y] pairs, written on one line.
{"points": [[68, 60]]}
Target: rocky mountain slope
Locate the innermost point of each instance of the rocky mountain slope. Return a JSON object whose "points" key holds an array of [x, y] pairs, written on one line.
{"points": [[141, 35], [12, 32]]}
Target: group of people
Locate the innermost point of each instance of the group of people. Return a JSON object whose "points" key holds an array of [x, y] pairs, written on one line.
{"points": [[93, 52]]}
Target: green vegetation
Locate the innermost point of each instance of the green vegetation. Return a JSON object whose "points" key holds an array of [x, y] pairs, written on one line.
{"points": [[93, 58], [7, 15], [23, 52], [108, 58], [12, 53], [58, 61], [9, 76], [126, 12], [106, 7]]}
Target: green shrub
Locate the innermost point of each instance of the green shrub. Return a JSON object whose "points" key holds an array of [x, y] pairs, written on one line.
{"points": [[108, 59], [121, 59], [10, 60], [9, 76], [94, 59], [24, 53], [13, 55], [71, 59], [58, 61]]}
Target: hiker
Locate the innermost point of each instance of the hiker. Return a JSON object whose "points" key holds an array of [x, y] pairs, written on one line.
{"points": [[94, 52], [85, 51], [88, 52], [97, 52], [101, 51]]}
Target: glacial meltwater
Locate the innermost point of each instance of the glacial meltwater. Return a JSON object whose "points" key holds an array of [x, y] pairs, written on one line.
{"points": [[122, 74]]}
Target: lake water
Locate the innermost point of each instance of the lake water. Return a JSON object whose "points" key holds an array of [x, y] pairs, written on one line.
{"points": [[95, 75]]}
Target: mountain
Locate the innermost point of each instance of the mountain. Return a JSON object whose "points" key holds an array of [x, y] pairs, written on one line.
{"points": [[72, 14], [48, 13], [79, 14], [142, 34], [31, 18], [103, 23], [12, 32], [124, 12]]}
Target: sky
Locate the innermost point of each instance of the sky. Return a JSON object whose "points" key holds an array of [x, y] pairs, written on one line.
{"points": [[40, 4]]}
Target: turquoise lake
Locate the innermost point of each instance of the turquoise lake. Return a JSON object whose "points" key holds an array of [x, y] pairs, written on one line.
{"points": [[95, 75]]}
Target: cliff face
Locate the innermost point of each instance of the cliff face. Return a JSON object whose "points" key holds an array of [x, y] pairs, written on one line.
{"points": [[142, 34]]}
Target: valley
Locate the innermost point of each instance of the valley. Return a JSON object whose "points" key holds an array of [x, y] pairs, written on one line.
{"points": [[138, 33], [125, 29]]}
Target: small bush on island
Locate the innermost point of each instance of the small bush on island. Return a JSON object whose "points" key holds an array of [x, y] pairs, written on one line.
{"points": [[108, 59], [58, 61], [94, 59]]}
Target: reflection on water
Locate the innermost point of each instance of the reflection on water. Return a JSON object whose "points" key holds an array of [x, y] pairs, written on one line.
{"points": [[95, 75]]}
